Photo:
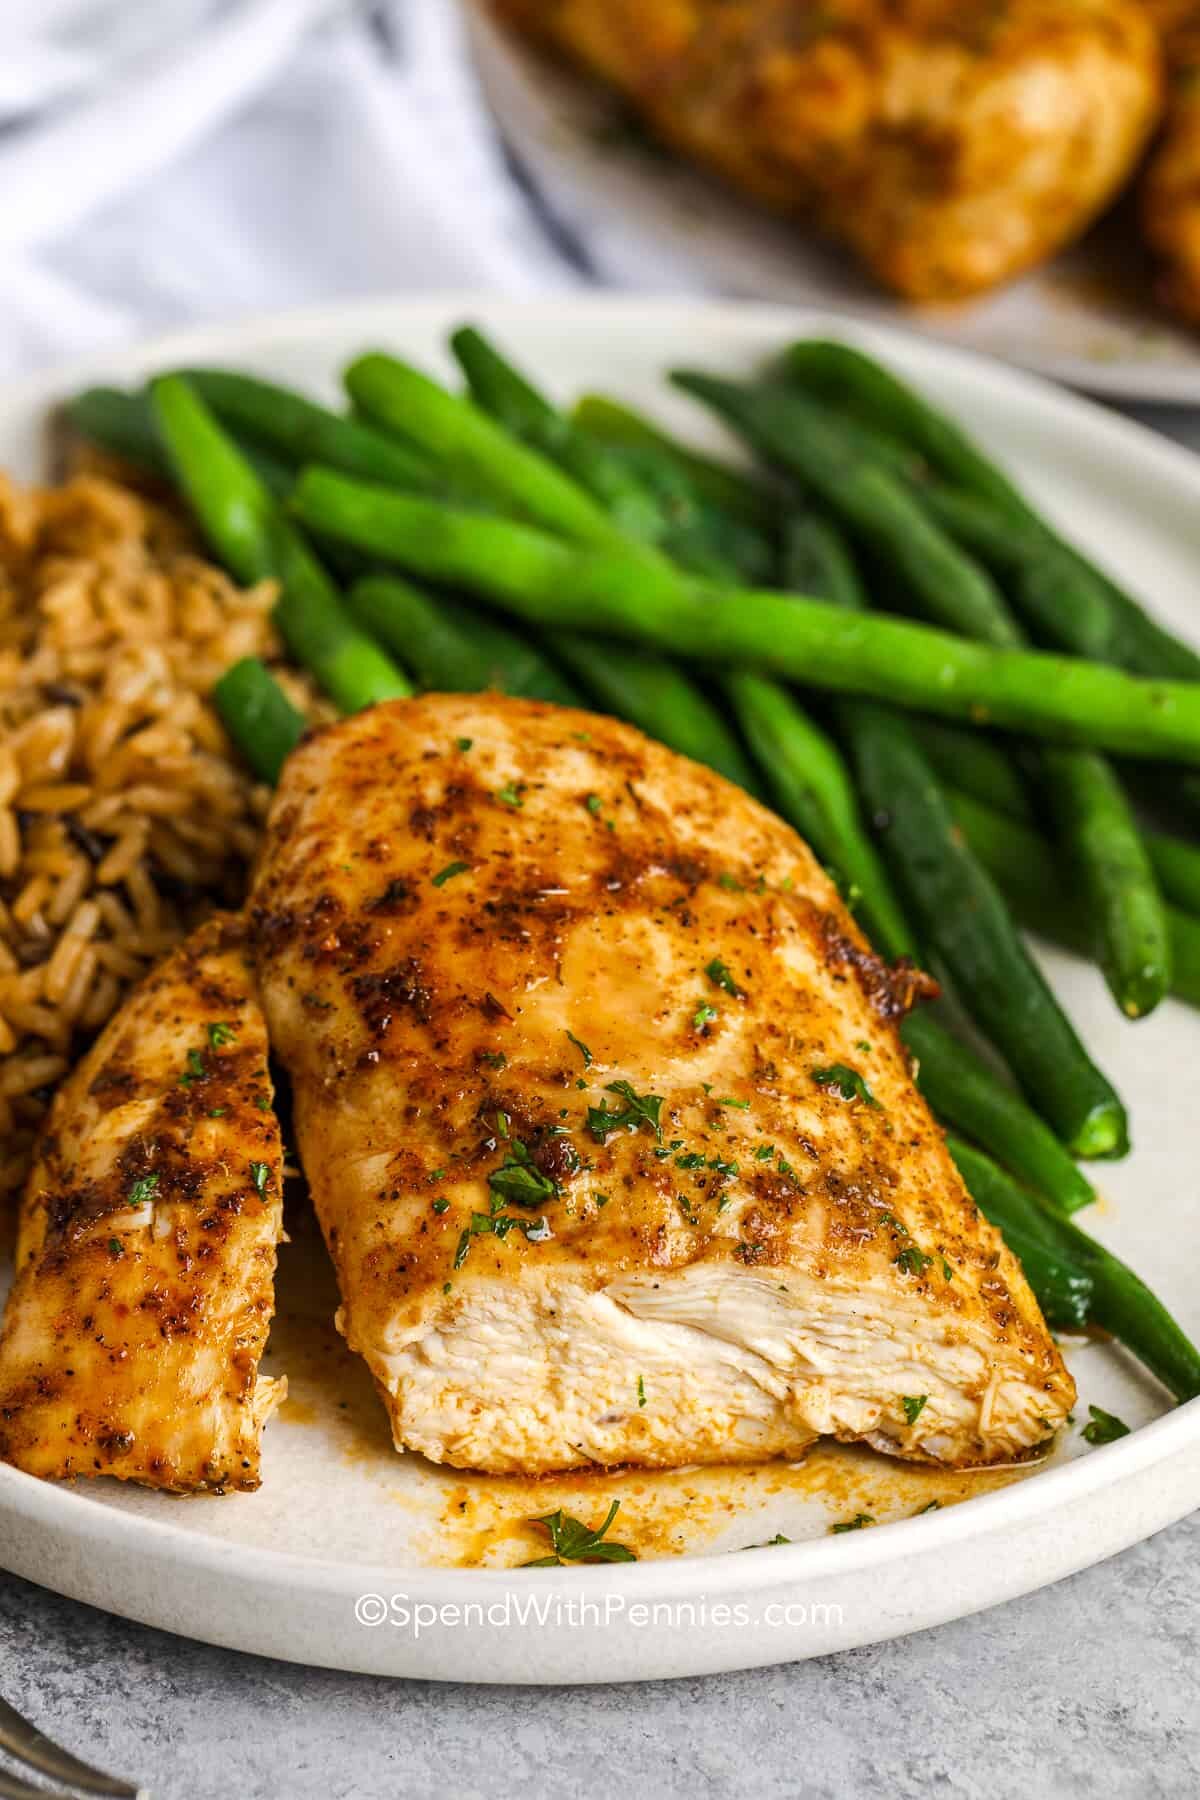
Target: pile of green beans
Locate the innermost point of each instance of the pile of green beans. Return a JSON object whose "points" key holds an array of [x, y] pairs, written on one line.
{"points": [[944, 770]]}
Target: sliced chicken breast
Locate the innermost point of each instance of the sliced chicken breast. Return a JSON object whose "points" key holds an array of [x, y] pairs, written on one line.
{"points": [[600, 1096], [146, 1255]]}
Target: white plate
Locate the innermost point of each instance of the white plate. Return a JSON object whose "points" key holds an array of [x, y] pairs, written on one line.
{"points": [[648, 221], [339, 1515]]}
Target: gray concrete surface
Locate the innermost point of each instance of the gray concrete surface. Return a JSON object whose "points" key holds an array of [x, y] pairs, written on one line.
{"points": [[1089, 1688]]}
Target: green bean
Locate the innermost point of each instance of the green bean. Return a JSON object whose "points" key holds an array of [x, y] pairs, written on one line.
{"points": [[452, 648], [967, 1095], [974, 762], [300, 431], [257, 542], [1119, 1301], [1126, 912], [1177, 865], [456, 435], [807, 440], [810, 786], [623, 594], [1075, 604], [1021, 862], [722, 486], [659, 698], [258, 716], [1062, 1288], [123, 424], [964, 918], [501, 391]]}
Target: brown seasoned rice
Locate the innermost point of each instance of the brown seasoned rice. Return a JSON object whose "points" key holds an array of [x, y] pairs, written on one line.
{"points": [[125, 815]]}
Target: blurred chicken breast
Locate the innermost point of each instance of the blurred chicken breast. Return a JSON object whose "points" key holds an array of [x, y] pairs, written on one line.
{"points": [[600, 1096], [146, 1255], [950, 143], [1171, 190]]}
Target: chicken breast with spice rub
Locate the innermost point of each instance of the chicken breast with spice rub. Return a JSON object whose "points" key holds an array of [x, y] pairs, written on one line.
{"points": [[601, 1100], [146, 1257]]}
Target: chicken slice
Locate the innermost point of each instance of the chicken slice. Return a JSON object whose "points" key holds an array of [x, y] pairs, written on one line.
{"points": [[601, 1100], [950, 143], [146, 1252]]}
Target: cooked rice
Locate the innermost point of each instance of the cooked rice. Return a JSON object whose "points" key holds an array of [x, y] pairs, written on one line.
{"points": [[125, 814]]}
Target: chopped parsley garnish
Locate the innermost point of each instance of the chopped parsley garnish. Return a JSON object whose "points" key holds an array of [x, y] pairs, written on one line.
{"points": [[142, 1189], [572, 1541], [498, 1225], [639, 1110], [764, 1153], [510, 794], [641, 1391], [730, 883], [692, 1159], [464, 744], [260, 1174], [263, 1103], [582, 1049], [519, 1180], [196, 1069], [217, 1112], [594, 804], [947, 1271], [914, 1406], [912, 1260], [116, 1247], [495, 1059], [703, 1014], [854, 1524], [449, 872], [864, 1046], [718, 973], [848, 1082], [1103, 1427], [769, 1543], [741, 1105], [220, 1034], [441, 1206]]}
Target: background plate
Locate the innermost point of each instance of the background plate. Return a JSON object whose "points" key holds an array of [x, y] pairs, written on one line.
{"points": [[647, 220], [340, 1515]]}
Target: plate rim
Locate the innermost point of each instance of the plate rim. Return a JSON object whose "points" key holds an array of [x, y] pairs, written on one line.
{"points": [[64, 1508]]}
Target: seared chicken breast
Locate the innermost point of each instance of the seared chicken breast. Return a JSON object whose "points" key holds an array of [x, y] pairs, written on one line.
{"points": [[146, 1251], [950, 143], [600, 1096]]}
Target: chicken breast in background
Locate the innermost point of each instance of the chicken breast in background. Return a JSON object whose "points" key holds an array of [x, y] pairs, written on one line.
{"points": [[146, 1256], [1171, 189], [950, 143], [601, 1100]]}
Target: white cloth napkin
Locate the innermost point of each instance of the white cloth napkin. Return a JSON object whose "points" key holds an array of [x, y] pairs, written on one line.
{"points": [[242, 156]]}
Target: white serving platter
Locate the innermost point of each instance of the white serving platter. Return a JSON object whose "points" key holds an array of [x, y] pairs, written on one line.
{"points": [[340, 1516], [646, 220]]}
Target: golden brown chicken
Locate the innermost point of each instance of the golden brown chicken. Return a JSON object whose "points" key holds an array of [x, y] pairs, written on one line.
{"points": [[146, 1256], [602, 1104], [1171, 190], [950, 143]]}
